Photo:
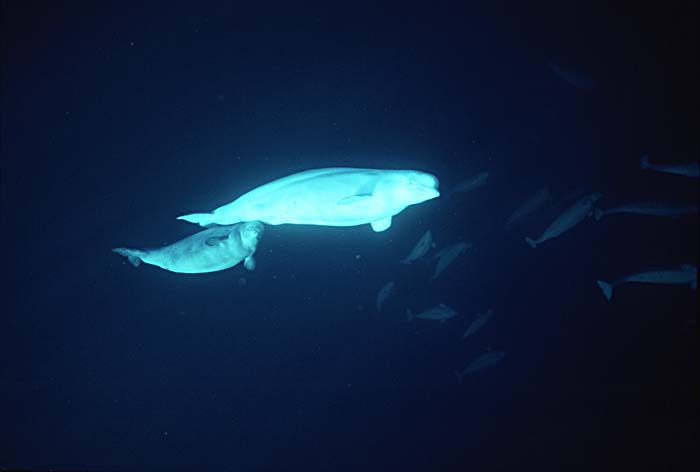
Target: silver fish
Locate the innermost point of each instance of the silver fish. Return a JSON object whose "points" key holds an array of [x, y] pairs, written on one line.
{"points": [[472, 183], [573, 77], [420, 249], [647, 208], [383, 294], [439, 313], [447, 255], [685, 275], [529, 206], [689, 169], [567, 220], [489, 359], [478, 323]]}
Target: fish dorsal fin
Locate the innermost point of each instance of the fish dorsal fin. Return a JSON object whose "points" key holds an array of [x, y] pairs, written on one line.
{"points": [[214, 240]]}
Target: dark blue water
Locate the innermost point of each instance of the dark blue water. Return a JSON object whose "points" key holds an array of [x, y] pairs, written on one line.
{"points": [[116, 119]]}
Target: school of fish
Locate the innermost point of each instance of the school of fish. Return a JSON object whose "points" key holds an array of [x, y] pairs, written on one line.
{"points": [[356, 196]]}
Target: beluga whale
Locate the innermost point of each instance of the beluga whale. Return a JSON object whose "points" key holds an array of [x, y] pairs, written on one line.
{"points": [[336, 196], [210, 250]]}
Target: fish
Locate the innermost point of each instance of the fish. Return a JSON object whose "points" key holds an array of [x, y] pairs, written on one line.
{"points": [[686, 274], [572, 77], [489, 359], [448, 254], [439, 313], [386, 290], [210, 250], [647, 208], [567, 220], [420, 249], [688, 169], [478, 323], [338, 196], [472, 183], [529, 206]]}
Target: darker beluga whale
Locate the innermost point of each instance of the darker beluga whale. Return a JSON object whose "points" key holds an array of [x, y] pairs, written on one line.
{"points": [[211, 250]]}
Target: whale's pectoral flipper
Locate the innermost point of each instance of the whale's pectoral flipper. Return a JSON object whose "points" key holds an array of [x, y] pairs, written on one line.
{"points": [[381, 225], [365, 192], [354, 199], [213, 241], [249, 263], [134, 255]]}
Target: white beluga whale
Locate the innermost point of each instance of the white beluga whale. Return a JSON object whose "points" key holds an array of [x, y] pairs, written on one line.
{"points": [[684, 275], [210, 250], [339, 196], [573, 215]]}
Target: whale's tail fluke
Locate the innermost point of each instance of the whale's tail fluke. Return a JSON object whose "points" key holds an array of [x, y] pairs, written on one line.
{"points": [[134, 255], [531, 242], [201, 219]]}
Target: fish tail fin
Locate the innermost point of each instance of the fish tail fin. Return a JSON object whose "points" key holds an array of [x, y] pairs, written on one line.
{"points": [[531, 242], [607, 289], [409, 314], [644, 162], [134, 255], [692, 268], [202, 219], [597, 214]]}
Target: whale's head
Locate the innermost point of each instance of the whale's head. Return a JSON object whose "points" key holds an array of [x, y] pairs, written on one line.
{"points": [[251, 232], [413, 187]]}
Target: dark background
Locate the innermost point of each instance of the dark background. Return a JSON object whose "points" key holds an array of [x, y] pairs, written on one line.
{"points": [[118, 117]]}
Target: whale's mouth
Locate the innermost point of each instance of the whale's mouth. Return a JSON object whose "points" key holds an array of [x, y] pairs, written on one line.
{"points": [[431, 193], [428, 181]]}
